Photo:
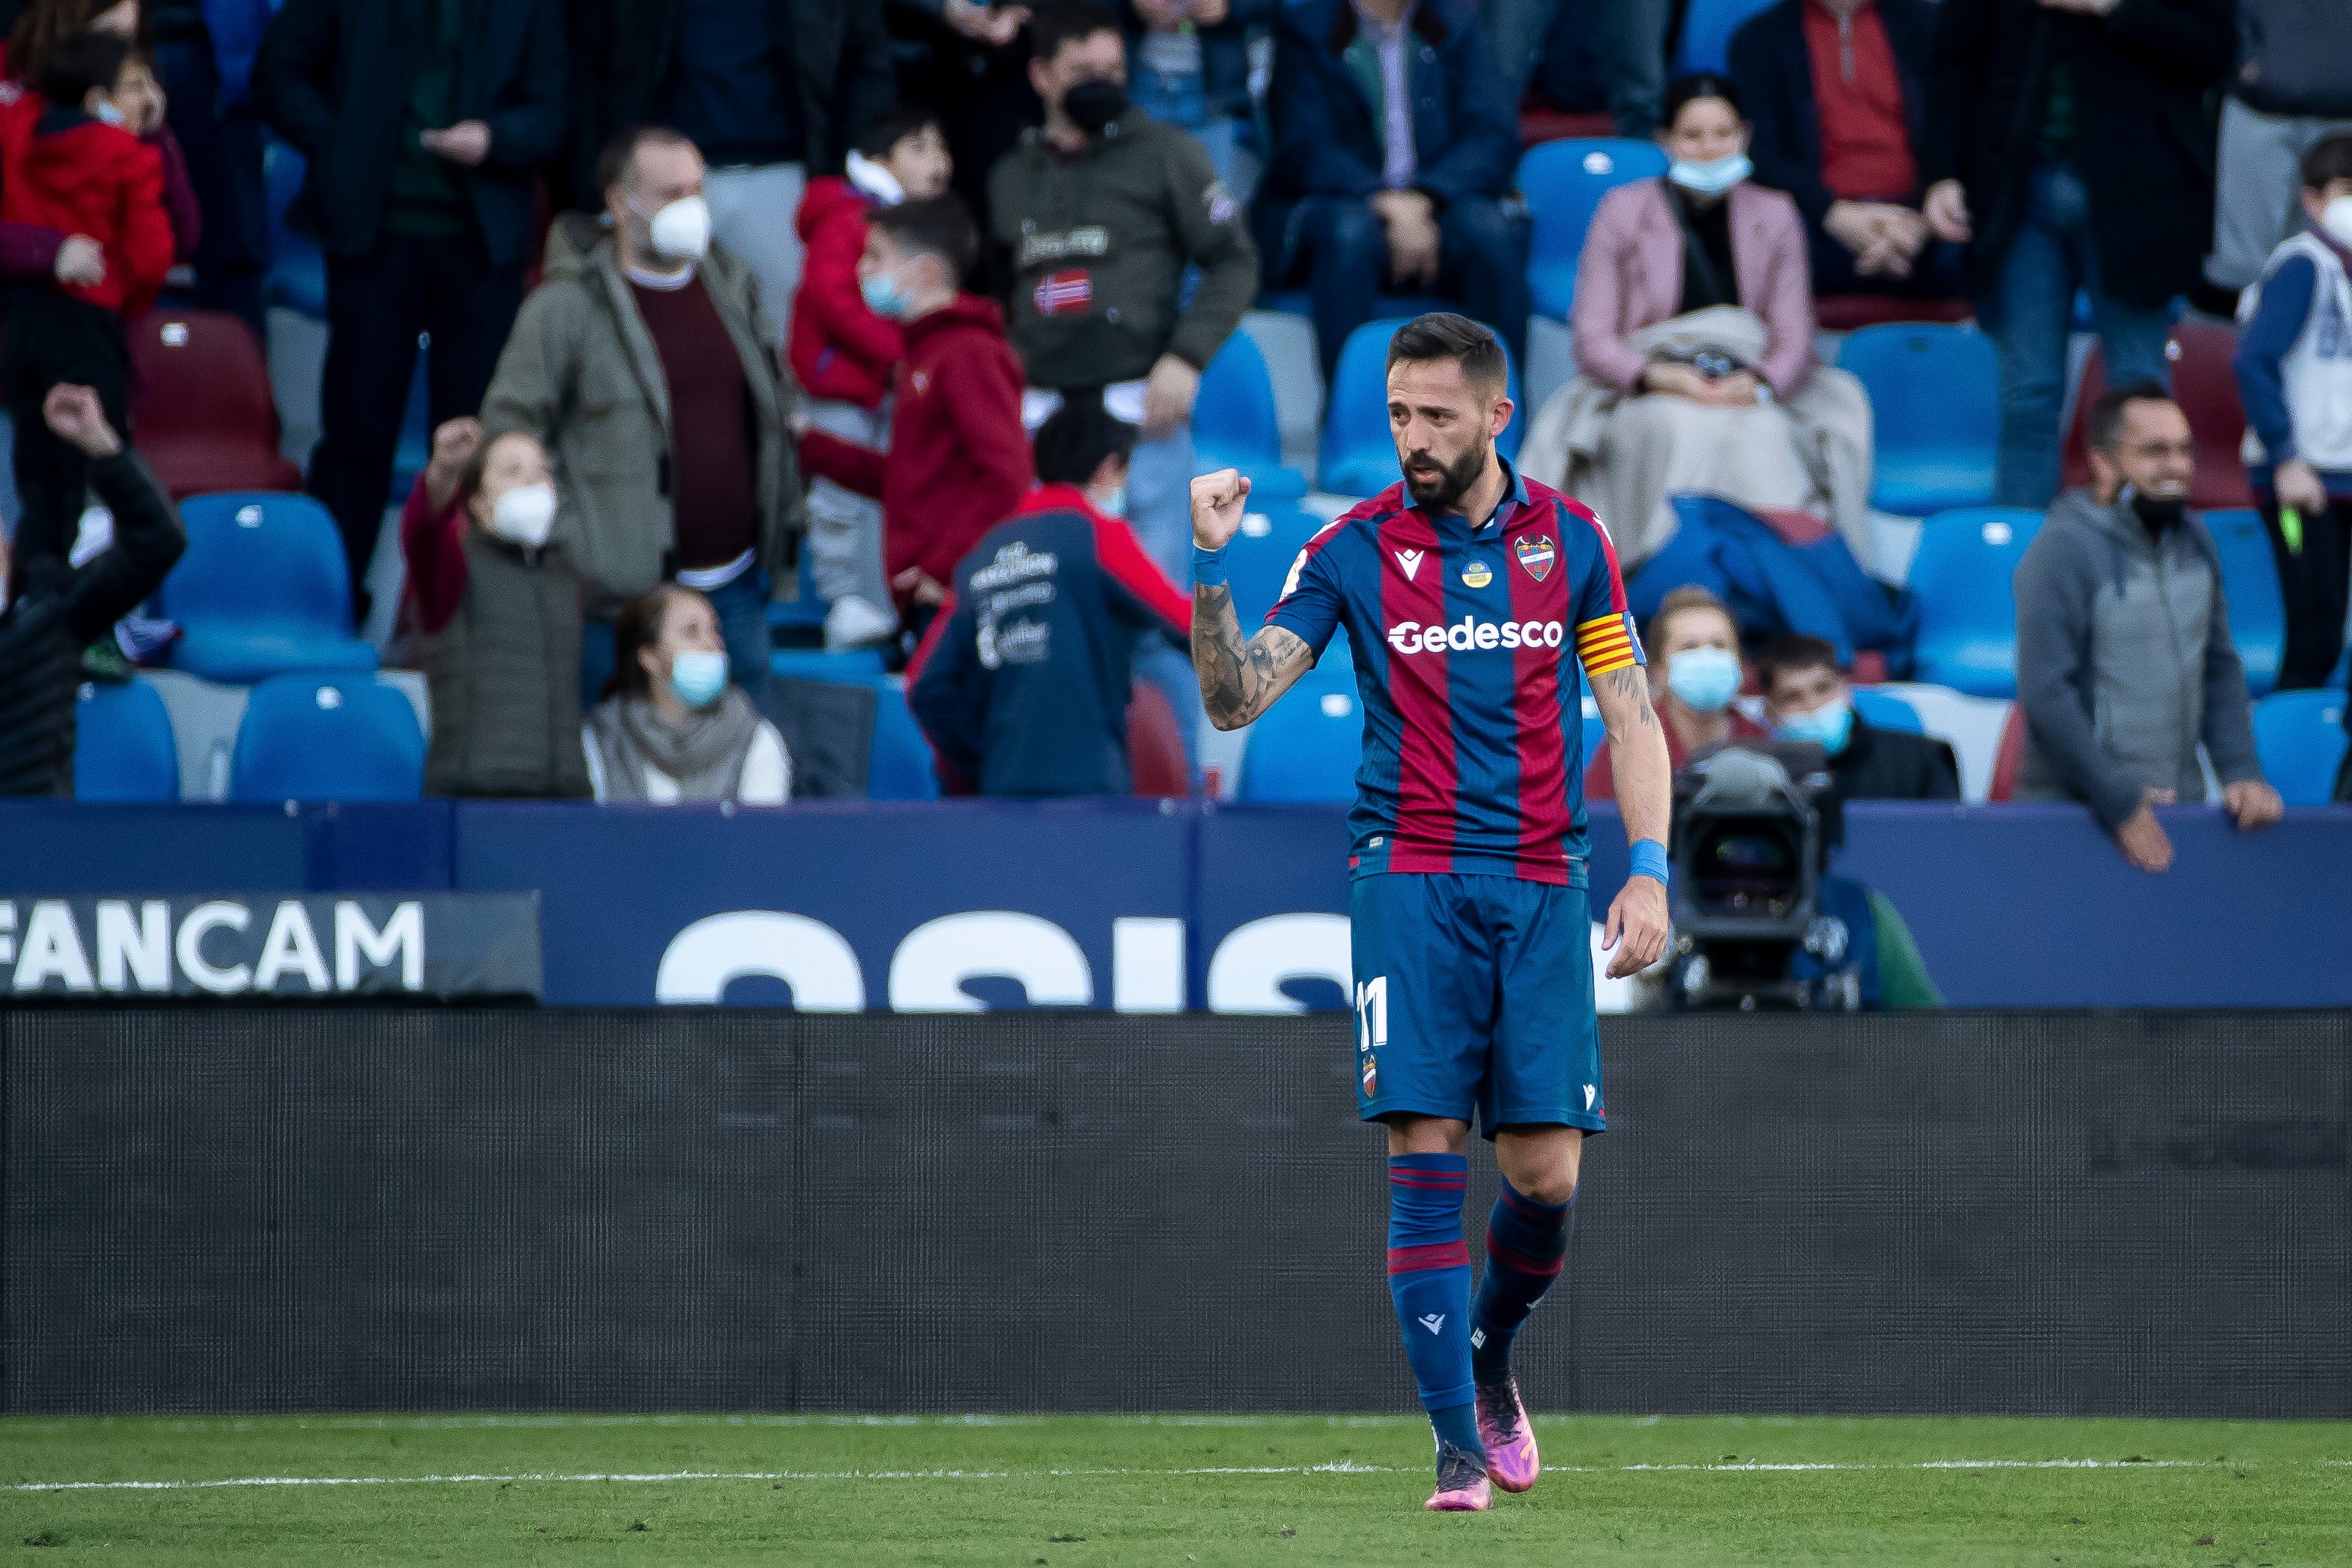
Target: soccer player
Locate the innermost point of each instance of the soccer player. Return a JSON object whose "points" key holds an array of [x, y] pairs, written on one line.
{"points": [[1471, 597]]}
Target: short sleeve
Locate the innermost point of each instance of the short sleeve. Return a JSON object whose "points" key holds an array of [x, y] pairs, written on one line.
{"points": [[1311, 600], [1606, 639]]}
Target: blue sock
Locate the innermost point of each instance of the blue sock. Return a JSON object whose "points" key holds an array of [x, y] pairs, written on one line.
{"points": [[1429, 1280], [1526, 1242]]}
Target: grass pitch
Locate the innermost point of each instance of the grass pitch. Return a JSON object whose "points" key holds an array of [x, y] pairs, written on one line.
{"points": [[1072, 1491]]}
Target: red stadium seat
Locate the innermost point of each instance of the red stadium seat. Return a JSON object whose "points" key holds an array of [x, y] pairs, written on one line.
{"points": [[2009, 761], [1155, 748], [2207, 391], [1851, 312], [201, 409], [1539, 123]]}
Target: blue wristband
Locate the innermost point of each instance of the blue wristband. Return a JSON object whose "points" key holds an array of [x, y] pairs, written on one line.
{"points": [[1209, 566], [1650, 860]]}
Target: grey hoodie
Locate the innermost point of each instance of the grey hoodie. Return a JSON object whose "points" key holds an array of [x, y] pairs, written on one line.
{"points": [[2124, 662]]}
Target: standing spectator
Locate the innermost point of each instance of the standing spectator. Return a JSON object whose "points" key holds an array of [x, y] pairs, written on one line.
{"points": [[1395, 142], [203, 58], [425, 125], [2069, 143], [1023, 681], [1832, 88], [846, 356], [1808, 697], [670, 729], [1189, 62], [1631, 39], [968, 60], [2293, 88], [2295, 376], [1693, 676], [497, 619], [642, 364], [2125, 664]]}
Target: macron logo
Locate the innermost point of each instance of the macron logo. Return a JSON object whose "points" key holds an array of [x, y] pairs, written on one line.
{"points": [[1408, 562], [1433, 1322]]}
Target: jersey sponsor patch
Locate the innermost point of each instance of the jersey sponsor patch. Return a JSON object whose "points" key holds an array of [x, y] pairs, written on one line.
{"points": [[1536, 553], [1065, 293], [1477, 574], [1607, 643]]}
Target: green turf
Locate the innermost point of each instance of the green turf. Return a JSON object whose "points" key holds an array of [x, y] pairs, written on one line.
{"points": [[1071, 1491]]}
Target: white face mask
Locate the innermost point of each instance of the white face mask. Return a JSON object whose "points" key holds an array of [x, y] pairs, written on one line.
{"points": [[681, 230], [525, 515], [2335, 217]]}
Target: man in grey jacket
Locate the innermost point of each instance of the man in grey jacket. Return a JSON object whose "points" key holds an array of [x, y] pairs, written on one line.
{"points": [[2125, 664]]}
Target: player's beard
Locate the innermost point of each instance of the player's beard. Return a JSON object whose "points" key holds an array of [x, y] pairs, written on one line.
{"points": [[1443, 491]]}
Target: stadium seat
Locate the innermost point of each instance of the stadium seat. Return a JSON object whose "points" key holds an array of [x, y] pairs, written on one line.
{"points": [[1235, 426], [205, 417], [1359, 457], [1539, 123], [1884, 710], [2207, 389], [1708, 28], [122, 745], [1934, 394], [901, 767], [1563, 183], [307, 737], [2300, 738], [297, 278], [1155, 747], [262, 591], [1306, 747], [1258, 560], [1851, 312], [2250, 581], [1968, 612], [851, 669], [2009, 762]]}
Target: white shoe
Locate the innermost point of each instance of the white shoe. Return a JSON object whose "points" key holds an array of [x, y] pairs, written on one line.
{"points": [[855, 623]]}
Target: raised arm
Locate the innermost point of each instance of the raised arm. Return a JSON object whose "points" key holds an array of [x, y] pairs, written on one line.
{"points": [[1239, 680]]}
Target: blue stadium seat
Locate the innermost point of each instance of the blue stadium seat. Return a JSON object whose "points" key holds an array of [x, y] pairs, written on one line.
{"points": [[900, 768], [297, 278], [851, 669], [1563, 183], [1884, 710], [122, 745], [1708, 28], [312, 738], [1359, 457], [1306, 747], [1935, 395], [1234, 422], [262, 590], [1259, 558], [2299, 736], [1967, 614], [2250, 579]]}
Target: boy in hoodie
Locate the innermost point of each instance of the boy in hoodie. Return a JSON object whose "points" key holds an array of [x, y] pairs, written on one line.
{"points": [[958, 459], [844, 355]]}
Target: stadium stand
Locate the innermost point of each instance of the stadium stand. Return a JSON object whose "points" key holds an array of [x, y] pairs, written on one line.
{"points": [[262, 591], [1708, 26], [296, 280], [1934, 394], [1563, 183], [901, 766], [1306, 749], [2207, 391], [855, 667], [1259, 558], [2300, 738], [1234, 423], [1155, 751], [305, 738], [122, 745], [1884, 710], [1968, 616], [2250, 581], [1359, 456], [202, 408]]}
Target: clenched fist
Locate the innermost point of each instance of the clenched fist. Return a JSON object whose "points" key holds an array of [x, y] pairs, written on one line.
{"points": [[1218, 502]]}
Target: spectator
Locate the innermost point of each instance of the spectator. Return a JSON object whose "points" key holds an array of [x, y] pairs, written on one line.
{"points": [[2125, 664], [1695, 674], [1694, 337], [1832, 88], [1103, 210], [1630, 37], [846, 356], [1808, 697], [958, 459], [497, 619], [1565, 74], [50, 611], [425, 125], [2068, 145], [2293, 88], [1023, 681], [642, 363], [970, 61], [1405, 184], [670, 729], [203, 60], [1189, 62], [2295, 376]]}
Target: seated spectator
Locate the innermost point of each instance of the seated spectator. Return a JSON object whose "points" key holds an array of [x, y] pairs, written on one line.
{"points": [[1808, 697], [846, 356], [670, 729], [1023, 681], [1694, 341], [1188, 64], [2295, 376], [642, 364], [959, 460], [1832, 89], [50, 610], [1693, 676], [497, 619], [2292, 90], [1395, 142], [2125, 664]]}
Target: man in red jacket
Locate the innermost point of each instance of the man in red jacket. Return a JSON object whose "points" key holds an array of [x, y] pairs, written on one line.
{"points": [[958, 459]]}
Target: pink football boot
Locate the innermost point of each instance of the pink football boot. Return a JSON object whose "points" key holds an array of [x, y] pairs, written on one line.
{"points": [[1462, 1485], [1510, 1439]]}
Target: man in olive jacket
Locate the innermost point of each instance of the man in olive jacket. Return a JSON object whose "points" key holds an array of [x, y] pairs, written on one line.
{"points": [[643, 366]]}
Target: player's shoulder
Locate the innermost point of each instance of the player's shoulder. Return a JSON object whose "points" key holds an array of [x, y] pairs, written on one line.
{"points": [[1583, 536], [1354, 528]]}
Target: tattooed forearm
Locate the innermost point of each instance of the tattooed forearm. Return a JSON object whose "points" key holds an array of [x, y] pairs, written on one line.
{"points": [[1240, 680], [1633, 686]]}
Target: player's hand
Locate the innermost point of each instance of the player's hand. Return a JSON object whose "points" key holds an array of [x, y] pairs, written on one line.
{"points": [[81, 259], [77, 416], [2142, 838], [1218, 502], [2253, 803], [1636, 931]]}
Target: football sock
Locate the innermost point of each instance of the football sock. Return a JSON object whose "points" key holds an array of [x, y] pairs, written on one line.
{"points": [[1526, 1241], [1429, 1280]]}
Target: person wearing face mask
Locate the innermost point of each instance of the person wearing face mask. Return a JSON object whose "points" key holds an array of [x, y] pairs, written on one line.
{"points": [[670, 729], [2125, 664], [642, 363], [1693, 641], [1806, 697]]}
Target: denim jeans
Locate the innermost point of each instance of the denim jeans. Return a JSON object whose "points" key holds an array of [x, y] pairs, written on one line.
{"points": [[1160, 510], [2031, 314]]}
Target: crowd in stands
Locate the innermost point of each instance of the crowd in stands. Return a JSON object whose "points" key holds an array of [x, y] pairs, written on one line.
{"points": [[864, 342]]}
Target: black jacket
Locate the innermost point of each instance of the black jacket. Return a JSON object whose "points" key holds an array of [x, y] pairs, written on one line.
{"points": [[56, 611], [333, 78], [2144, 113], [1774, 70], [1889, 765]]}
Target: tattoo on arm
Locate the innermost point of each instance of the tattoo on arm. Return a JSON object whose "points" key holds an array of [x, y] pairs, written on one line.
{"points": [[1634, 686], [1240, 680]]}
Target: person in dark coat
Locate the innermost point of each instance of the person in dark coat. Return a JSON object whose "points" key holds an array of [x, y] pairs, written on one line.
{"points": [[2070, 145], [425, 124], [1806, 697]]}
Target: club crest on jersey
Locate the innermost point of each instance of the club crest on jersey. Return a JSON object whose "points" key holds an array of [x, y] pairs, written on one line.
{"points": [[1477, 574], [1408, 562], [1537, 555]]}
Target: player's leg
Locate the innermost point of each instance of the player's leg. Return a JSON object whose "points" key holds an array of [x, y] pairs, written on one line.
{"points": [[1429, 1284]]}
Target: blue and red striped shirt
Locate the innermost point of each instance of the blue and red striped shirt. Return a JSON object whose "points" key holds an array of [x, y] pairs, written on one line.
{"points": [[1467, 642]]}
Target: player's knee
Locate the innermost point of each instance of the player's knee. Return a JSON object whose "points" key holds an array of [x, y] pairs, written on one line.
{"points": [[1550, 1187]]}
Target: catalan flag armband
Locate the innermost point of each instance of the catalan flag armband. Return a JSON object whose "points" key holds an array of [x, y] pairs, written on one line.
{"points": [[1607, 644]]}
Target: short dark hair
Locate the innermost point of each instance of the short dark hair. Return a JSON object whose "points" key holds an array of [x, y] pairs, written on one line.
{"points": [[1072, 443], [1691, 87], [2329, 160], [938, 225], [2105, 427], [638, 628], [74, 66], [1791, 652], [1444, 335], [612, 163], [893, 125], [1060, 22]]}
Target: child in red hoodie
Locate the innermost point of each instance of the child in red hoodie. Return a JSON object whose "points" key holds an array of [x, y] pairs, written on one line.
{"points": [[844, 355], [959, 458]]}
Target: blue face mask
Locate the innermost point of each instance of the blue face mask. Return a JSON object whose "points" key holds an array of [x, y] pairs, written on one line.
{"points": [[885, 295], [1712, 178], [698, 679], [1704, 679], [1829, 726], [1113, 505]]}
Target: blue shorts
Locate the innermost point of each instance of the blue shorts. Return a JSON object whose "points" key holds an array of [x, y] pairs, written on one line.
{"points": [[1475, 992]]}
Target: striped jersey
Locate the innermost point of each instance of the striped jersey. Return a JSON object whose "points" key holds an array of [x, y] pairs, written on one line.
{"points": [[1468, 644]]}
